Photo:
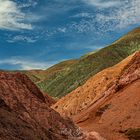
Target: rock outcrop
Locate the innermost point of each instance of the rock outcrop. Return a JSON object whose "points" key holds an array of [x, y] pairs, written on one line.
{"points": [[25, 113]]}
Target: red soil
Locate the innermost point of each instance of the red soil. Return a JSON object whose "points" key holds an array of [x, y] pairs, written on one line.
{"points": [[122, 114], [119, 109]]}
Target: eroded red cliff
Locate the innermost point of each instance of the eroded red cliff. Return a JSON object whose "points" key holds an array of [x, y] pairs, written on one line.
{"points": [[25, 112]]}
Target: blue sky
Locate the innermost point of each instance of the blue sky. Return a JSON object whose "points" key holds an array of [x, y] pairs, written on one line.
{"points": [[35, 34]]}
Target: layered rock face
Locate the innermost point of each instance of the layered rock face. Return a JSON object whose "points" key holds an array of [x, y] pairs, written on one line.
{"points": [[25, 113]]}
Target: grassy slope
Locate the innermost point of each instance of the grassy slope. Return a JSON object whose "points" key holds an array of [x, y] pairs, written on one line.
{"points": [[38, 76], [67, 79]]}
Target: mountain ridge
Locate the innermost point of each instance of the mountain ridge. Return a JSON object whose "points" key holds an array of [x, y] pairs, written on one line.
{"points": [[68, 79], [82, 97], [118, 110]]}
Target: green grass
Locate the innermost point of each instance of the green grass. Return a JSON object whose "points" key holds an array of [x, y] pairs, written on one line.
{"points": [[38, 76], [62, 81]]}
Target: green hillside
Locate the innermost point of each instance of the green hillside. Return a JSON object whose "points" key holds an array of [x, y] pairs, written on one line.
{"points": [[38, 76], [59, 82]]}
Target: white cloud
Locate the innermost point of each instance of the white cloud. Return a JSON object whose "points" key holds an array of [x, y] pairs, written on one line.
{"points": [[30, 3], [82, 15], [11, 16], [103, 3], [62, 29], [24, 64], [129, 14], [21, 38], [124, 14]]}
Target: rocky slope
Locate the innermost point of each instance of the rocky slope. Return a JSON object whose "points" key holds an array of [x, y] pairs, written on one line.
{"points": [[117, 118], [85, 95], [117, 114], [109, 102], [25, 112], [62, 82]]}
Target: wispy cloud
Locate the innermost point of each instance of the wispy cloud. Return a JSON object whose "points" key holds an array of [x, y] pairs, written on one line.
{"points": [[129, 13], [22, 38], [11, 16], [82, 15], [125, 13], [94, 47], [30, 3], [103, 3], [62, 29], [24, 64], [123, 16]]}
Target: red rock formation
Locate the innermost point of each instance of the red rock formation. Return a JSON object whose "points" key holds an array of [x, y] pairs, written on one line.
{"points": [[25, 113], [119, 108], [109, 102], [86, 95]]}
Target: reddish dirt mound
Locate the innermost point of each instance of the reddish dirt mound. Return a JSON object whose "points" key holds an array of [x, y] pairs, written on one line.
{"points": [[116, 115], [25, 113], [84, 96]]}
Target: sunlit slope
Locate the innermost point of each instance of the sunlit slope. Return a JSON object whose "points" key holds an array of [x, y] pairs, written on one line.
{"points": [[40, 75], [116, 114], [82, 97], [67, 80]]}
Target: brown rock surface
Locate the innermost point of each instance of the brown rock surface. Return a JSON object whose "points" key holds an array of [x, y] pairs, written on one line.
{"points": [[25, 113]]}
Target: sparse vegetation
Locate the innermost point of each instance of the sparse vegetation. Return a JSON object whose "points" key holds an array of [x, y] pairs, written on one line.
{"points": [[59, 81]]}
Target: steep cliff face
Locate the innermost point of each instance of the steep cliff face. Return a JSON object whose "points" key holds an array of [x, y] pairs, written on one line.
{"points": [[25, 112]]}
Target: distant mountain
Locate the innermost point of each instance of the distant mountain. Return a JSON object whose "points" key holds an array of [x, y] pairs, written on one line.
{"points": [[108, 102], [61, 82], [38, 76]]}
